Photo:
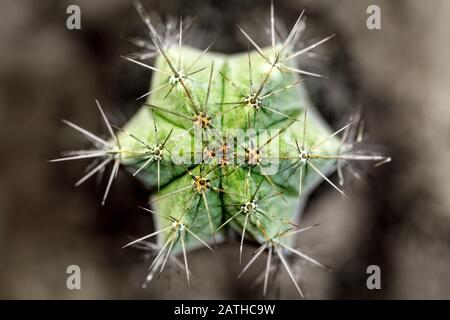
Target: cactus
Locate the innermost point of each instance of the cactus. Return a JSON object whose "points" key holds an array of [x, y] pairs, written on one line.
{"points": [[226, 142]]}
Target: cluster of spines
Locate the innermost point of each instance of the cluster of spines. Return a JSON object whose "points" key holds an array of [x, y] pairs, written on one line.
{"points": [[210, 170]]}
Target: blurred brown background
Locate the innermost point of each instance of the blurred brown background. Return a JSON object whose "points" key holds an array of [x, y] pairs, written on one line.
{"points": [[399, 220]]}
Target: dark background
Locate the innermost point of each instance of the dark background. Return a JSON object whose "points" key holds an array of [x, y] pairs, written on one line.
{"points": [[399, 219]]}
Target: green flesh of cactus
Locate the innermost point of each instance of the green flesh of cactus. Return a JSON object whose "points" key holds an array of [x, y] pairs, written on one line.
{"points": [[239, 186]]}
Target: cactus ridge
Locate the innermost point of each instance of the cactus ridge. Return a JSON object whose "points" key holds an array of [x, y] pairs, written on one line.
{"points": [[186, 143]]}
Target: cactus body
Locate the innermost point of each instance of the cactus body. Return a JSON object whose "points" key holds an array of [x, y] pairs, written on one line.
{"points": [[276, 196]]}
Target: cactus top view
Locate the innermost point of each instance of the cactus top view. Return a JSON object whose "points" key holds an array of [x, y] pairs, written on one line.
{"points": [[225, 143]]}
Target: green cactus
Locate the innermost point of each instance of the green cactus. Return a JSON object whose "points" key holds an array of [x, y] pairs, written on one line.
{"points": [[224, 141]]}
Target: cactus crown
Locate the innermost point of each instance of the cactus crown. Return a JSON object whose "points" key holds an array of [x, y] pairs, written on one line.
{"points": [[228, 142]]}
